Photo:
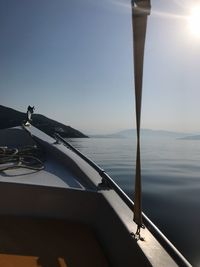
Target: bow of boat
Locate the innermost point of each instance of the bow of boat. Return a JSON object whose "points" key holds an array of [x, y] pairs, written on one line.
{"points": [[67, 212]]}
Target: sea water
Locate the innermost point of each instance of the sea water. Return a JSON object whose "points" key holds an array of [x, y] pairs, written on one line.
{"points": [[171, 182]]}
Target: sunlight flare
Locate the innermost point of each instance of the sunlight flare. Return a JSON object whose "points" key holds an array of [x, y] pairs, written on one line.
{"points": [[194, 21]]}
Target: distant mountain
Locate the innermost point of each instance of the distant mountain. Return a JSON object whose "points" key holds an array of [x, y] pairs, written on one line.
{"points": [[11, 118], [152, 133], [191, 137], [128, 133]]}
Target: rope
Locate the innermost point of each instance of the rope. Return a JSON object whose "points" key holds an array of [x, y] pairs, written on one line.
{"points": [[140, 10], [29, 157]]}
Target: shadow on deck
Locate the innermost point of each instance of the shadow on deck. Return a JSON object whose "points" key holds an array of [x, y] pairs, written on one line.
{"points": [[48, 243]]}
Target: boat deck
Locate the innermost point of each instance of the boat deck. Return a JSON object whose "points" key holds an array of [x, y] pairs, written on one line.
{"points": [[48, 243], [55, 172]]}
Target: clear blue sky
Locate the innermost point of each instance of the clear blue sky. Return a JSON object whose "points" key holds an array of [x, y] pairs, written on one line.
{"points": [[72, 59]]}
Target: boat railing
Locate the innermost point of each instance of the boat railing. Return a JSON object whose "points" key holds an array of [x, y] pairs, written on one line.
{"points": [[108, 181]]}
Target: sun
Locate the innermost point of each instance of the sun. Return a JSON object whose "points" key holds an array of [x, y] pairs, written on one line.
{"points": [[194, 21]]}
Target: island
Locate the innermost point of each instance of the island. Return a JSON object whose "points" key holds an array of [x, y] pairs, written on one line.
{"points": [[10, 117]]}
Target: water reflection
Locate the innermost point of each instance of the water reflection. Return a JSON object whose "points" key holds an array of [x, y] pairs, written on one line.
{"points": [[171, 182]]}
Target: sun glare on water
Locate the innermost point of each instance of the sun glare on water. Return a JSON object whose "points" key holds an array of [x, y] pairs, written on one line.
{"points": [[194, 21]]}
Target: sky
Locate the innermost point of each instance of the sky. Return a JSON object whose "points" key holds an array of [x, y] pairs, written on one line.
{"points": [[73, 60]]}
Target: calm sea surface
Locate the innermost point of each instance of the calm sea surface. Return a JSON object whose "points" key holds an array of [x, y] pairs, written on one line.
{"points": [[171, 182]]}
